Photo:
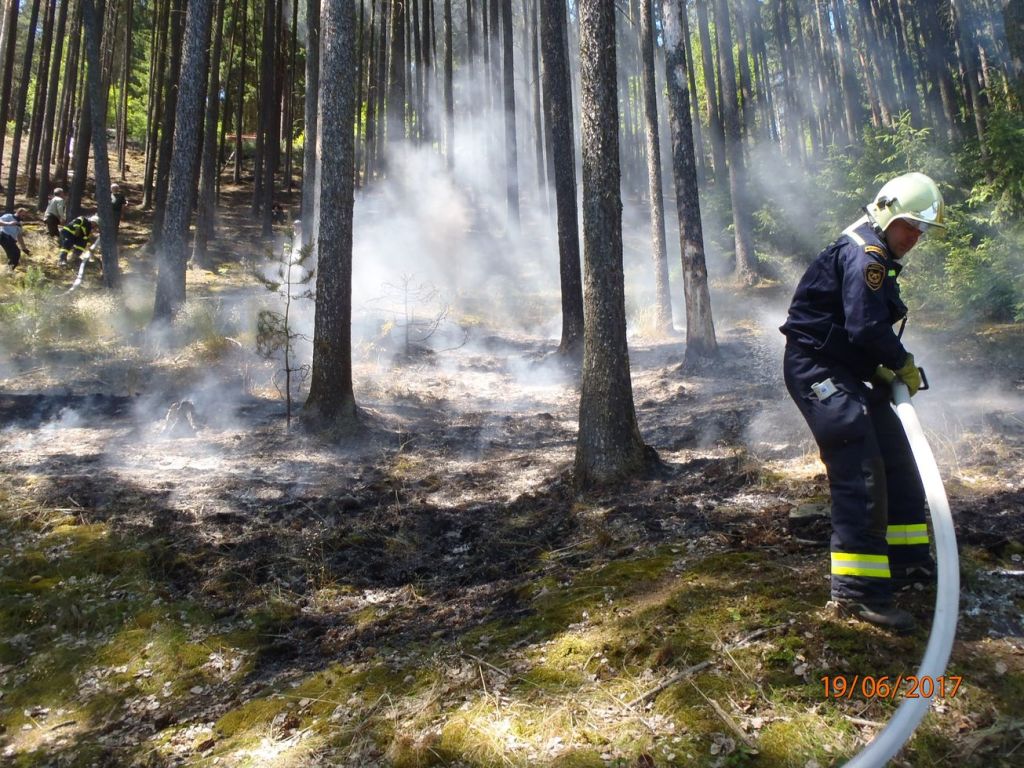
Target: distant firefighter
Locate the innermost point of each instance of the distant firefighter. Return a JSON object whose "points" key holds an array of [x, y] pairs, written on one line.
{"points": [[74, 237]]}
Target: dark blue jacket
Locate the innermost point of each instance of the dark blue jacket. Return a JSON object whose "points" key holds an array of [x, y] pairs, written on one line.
{"points": [[846, 303]]}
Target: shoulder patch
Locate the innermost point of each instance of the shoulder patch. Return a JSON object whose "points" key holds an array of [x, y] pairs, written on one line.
{"points": [[874, 275], [875, 249]]}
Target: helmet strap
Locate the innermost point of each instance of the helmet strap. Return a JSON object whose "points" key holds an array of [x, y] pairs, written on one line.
{"points": [[874, 224]]}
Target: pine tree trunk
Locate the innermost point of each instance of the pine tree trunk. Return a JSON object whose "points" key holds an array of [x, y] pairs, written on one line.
{"points": [[1013, 22], [236, 174], [793, 139], [742, 216], [849, 85], [331, 403], [95, 88], [171, 93], [715, 127], [511, 143], [269, 127], [701, 344], [968, 51], [19, 114], [46, 140], [417, 63], [69, 92], [289, 99], [309, 160], [765, 95], [206, 209], [609, 447], [39, 103], [663, 301], [126, 77], [155, 104], [9, 40], [694, 114], [746, 84], [83, 139], [396, 78], [173, 252], [370, 134], [449, 91], [559, 116]]}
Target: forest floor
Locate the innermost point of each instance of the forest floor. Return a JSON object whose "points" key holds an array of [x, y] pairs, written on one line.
{"points": [[197, 585]]}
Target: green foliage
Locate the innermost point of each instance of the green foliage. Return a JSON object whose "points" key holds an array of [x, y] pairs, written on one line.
{"points": [[977, 267], [1003, 185]]}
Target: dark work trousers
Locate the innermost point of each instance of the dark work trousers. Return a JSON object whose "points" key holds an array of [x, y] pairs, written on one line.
{"points": [[11, 249], [878, 501]]}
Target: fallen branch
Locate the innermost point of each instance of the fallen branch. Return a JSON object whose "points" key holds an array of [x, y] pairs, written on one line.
{"points": [[726, 718], [678, 677]]}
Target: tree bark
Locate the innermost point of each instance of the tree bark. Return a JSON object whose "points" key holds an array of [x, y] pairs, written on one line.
{"points": [[46, 140], [742, 217], [9, 40], [155, 104], [173, 251], [19, 114], [715, 127], [663, 301], [206, 209], [269, 128], [396, 78], [698, 132], [558, 115], [511, 144], [39, 103], [331, 403], [609, 447], [701, 344], [847, 73], [94, 85], [449, 92], [171, 93], [309, 146], [1013, 22]]}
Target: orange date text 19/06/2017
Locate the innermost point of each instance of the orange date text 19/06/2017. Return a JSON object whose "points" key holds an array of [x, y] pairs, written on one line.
{"points": [[889, 687]]}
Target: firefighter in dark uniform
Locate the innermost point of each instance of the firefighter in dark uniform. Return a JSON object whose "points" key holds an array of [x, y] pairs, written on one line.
{"points": [[842, 354], [74, 237]]}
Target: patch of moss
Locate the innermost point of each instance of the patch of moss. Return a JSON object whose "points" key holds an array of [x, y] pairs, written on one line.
{"points": [[802, 737]]}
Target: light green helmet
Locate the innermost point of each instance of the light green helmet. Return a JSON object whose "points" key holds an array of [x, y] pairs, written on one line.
{"points": [[913, 197]]}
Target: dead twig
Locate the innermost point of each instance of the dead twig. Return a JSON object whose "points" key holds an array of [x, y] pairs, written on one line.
{"points": [[488, 664], [862, 721], [726, 718], [678, 677]]}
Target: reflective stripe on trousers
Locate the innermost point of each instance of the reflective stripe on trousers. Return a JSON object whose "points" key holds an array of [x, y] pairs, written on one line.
{"points": [[906, 535], [852, 564]]}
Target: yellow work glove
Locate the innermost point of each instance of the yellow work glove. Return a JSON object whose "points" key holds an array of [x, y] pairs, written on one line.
{"points": [[909, 375], [884, 375]]}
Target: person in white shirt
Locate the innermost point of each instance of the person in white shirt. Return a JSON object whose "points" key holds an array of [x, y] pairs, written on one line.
{"points": [[12, 238], [55, 212]]}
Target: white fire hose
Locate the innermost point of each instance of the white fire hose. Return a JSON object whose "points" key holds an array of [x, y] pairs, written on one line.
{"points": [[86, 255], [947, 599]]}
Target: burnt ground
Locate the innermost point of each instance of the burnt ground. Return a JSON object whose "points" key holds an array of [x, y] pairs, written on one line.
{"points": [[451, 511], [199, 585]]}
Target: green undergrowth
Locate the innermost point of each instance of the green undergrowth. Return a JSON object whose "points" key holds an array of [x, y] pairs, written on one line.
{"points": [[583, 670]]}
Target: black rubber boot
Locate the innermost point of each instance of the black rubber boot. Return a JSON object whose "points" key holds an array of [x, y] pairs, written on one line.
{"points": [[885, 616]]}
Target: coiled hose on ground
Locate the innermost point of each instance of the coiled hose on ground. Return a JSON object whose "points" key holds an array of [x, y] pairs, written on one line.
{"points": [[947, 599]]}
